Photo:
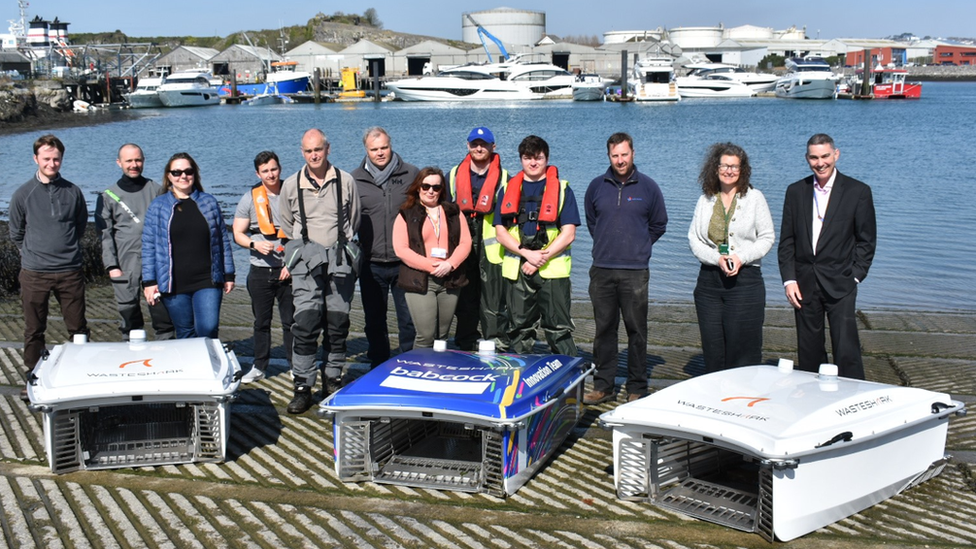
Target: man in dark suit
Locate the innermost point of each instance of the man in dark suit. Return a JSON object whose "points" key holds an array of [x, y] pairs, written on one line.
{"points": [[826, 246]]}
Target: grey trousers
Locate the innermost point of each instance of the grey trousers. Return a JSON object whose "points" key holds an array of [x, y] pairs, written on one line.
{"points": [[321, 301], [432, 312]]}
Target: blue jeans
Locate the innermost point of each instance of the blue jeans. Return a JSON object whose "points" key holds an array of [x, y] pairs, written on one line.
{"points": [[195, 314]]}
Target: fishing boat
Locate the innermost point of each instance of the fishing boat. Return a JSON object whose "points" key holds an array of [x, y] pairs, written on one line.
{"points": [[807, 78], [886, 84], [774, 451], [283, 76], [653, 80], [192, 88], [145, 96], [452, 420]]}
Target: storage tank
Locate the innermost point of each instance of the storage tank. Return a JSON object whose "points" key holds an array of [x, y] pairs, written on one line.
{"points": [[696, 37], [511, 26], [621, 37], [749, 32], [791, 33]]}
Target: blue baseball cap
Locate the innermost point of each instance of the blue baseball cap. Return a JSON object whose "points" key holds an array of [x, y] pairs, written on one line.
{"points": [[483, 134]]}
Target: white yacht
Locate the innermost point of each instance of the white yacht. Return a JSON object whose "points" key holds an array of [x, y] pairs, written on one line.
{"points": [[192, 88], [487, 82], [712, 85], [809, 78], [653, 80], [589, 87], [757, 81], [145, 96]]}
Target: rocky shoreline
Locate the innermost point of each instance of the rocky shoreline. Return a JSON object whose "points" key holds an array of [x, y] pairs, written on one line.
{"points": [[44, 105]]}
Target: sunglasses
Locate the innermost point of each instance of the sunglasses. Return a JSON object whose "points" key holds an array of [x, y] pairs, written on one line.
{"points": [[426, 187], [189, 172]]}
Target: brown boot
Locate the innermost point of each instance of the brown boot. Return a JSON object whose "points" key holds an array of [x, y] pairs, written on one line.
{"points": [[597, 397]]}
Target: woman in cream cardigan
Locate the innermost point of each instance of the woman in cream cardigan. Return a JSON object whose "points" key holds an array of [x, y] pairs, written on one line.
{"points": [[730, 233]]}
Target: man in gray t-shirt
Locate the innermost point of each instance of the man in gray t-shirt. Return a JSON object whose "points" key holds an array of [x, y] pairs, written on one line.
{"points": [[257, 227]]}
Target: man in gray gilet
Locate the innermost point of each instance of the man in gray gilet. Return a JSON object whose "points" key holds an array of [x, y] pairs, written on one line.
{"points": [[119, 214]]}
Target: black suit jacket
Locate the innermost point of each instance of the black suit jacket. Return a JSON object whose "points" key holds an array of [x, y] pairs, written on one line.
{"points": [[847, 241]]}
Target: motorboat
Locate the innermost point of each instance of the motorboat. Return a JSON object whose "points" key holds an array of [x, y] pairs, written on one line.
{"points": [[453, 420], [712, 85], [192, 88], [886, 84], [807, 78], [283, 76], [589, 87], [653, 80], [757, 81], [775, 451], [145, 96], [263, 99], [512, 80]]}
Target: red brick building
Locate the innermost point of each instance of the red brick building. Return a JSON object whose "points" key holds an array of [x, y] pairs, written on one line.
{"points": [[954, 55], [879, 56]]}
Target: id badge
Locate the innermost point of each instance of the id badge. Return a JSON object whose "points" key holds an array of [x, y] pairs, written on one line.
{"points": [[438, 253], [723, 249]]}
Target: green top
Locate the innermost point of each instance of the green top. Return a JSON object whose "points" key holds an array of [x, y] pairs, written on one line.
{"points": [[718, 225]]}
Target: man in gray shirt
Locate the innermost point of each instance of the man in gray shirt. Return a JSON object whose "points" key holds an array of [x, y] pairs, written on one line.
{"points": [[119, 214], [47, 221], [257, 228]]}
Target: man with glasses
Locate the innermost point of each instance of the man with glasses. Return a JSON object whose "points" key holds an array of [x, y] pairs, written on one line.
{"points": [[48, 215], [826, 246], [382, 180], [120, 212], [473, 185], [319, 209], [625, 216], [535, 220]]}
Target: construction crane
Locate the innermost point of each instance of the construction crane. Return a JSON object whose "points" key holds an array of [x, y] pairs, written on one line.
{"points": [[482, 34]]}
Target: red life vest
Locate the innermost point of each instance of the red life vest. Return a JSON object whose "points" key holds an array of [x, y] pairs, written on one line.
{"points": [[486, 198], [262, 209], [548, 209]]}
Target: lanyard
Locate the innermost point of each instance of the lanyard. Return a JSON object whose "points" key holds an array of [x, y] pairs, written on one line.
{"points": [[435, 223]]}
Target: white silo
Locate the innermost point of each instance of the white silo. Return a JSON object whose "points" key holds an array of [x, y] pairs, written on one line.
{"points": [[696, 37], [511, 26]]}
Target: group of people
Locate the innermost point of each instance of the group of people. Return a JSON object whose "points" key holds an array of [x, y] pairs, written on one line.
{"points": [[493, 250]]}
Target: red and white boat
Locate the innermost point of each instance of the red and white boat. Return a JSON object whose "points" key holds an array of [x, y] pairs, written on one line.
{"points": [[888, 84]]}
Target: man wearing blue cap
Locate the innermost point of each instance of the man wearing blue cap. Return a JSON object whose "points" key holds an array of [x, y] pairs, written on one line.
{"points": [[473, 186]]}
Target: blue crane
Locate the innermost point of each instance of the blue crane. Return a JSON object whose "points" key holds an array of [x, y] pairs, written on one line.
{"points": [[482, 33]]}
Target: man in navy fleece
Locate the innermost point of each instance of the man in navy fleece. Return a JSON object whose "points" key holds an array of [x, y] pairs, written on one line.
{"points": [[625, 215]]}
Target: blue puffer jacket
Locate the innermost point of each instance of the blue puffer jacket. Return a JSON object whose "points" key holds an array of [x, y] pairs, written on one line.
{"points": [[157, 257]]}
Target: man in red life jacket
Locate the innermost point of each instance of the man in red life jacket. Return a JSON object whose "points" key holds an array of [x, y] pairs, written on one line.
{"points": [[473, 185], [536, 218], [257, 228]]}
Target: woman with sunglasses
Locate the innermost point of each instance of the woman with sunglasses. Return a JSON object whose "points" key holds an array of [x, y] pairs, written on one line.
{"points": [[730, 233], [186, 253], [432, 240]]}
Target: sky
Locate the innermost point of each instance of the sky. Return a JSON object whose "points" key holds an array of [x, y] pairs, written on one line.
{"points": [[442, 18]]}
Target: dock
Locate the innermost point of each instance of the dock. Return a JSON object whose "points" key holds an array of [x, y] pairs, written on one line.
{"points": [[278, 487]]}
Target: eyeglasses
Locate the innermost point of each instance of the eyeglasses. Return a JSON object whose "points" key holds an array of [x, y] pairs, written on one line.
{"points": [[426, 187], [189, 172], [729, 167]]}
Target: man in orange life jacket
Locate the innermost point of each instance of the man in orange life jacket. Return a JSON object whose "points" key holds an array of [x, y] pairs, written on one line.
{"points": [[257, 228], [536, 218], [473, 185]]}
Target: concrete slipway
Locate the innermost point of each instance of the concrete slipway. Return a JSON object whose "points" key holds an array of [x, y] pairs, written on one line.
{"points": [[278, 487]]}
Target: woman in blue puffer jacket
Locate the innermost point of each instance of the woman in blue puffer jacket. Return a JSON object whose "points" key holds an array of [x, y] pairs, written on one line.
{"points": [[186, 253]]}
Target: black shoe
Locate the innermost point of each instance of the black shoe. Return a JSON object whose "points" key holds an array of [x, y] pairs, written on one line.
{"points": [[301, 402], [332, 384]]}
